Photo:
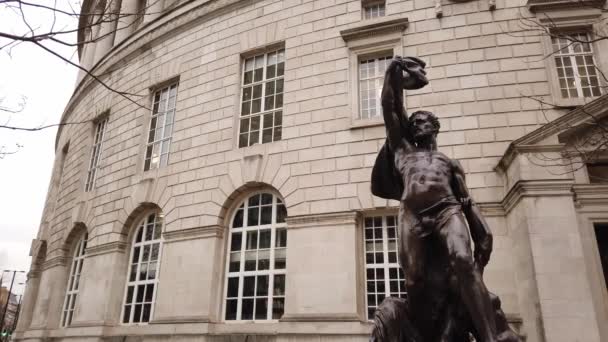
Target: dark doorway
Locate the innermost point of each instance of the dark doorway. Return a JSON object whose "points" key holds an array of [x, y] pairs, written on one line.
{"points": [[601, 234]]}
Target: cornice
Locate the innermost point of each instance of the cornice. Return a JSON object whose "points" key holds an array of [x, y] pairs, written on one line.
{"points": [[335, 317], [54, 262], [204, 232], [322, 220], [536, 188], [548, 5], [590, 194], [374, 29], [181, 320], [492, 209], [106, 248]]}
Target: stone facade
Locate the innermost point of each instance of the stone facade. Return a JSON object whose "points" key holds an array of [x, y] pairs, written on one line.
{"points": [[483, 67]]}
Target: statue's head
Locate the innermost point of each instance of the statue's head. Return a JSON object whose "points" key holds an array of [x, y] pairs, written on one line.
{"points": [[414, 73], [423, 125]]}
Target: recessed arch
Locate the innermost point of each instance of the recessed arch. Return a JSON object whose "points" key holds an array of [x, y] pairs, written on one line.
{"points": [[143, 233], [233, 200], [256, 250], [129, 227], [78, 230]]}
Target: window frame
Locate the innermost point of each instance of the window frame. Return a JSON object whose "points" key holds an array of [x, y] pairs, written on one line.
{"points": [[241, 274], [96, 152], [551, 66], [142, 222], [386, 265], [360, 49], [365, 4], [71, 291], [265, 51], [167, 85]]}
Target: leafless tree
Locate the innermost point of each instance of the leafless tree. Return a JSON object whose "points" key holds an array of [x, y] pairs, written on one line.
{"points": [[60, 30], [590, 144]]}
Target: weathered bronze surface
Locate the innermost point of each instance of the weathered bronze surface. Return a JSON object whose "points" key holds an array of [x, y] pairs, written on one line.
{"points": [[447, 300]]}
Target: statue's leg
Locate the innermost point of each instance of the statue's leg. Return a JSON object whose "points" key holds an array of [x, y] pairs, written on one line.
{"points": [[411, 252], [455, 237]]}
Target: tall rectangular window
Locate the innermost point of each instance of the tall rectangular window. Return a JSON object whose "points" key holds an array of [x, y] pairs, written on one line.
{"points": [[262, 98], [383, 276], [373, 9], [575, 64], [100, 128], [601, 235], [69, 303], [161, 127], [371, 79]]}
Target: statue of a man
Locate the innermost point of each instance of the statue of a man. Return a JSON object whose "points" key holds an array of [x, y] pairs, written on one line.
{"points": [[434, 202]]}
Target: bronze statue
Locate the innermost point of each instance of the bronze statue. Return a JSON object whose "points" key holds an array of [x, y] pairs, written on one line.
{"points": [[447, 299]]}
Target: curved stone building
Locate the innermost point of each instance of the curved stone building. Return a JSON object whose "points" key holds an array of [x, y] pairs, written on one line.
{"points": [[219, 189]]}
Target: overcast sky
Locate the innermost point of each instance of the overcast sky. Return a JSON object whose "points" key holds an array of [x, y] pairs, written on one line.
{"points": [[47, 83]]}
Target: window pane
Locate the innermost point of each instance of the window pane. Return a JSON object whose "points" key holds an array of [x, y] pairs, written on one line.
{"points": [[231, 307], [261, 308], [279, 285], [247, 309], [233, 287], [278, 307], [235, 244]]}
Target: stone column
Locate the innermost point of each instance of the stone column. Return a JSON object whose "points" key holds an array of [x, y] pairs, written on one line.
{"points": [[28, 301], [102, 285], [48, 305], [107, 29], [323, 270], [153, 10], [126, 22], [551, 278]]}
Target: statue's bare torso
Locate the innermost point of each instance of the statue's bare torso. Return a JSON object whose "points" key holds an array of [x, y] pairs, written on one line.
{"points": [[426, 177]]}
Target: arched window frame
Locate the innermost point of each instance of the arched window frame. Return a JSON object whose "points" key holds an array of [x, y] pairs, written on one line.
{"points": [[278, 231], [133, 283], [72, 287]]}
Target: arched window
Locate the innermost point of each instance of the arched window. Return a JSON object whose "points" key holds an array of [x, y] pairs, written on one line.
{"points": [[142, 276], [73, 282], [255, 277]]}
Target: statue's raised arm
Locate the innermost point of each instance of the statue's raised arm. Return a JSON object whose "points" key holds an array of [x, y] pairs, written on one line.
{"points": [[402, 73]]}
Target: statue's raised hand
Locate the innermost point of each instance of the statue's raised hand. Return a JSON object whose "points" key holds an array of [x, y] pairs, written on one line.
{"points": [[414, 75]]}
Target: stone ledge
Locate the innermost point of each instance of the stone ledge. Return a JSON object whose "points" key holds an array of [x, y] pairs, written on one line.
{"points": [[194, 233], [590, 194], [374, 29], [536, 188], [337, 317], [322, 220], [545, 5], [111, 247]]}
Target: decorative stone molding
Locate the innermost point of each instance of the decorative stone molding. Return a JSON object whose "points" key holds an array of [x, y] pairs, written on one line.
{"points": [[590, 194], [547, 5], [106, 248], [322, 220], [492, 209], [181, 320], [336, 317], [54, 262], [375, 29], [205, 232], [536, 188]]}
